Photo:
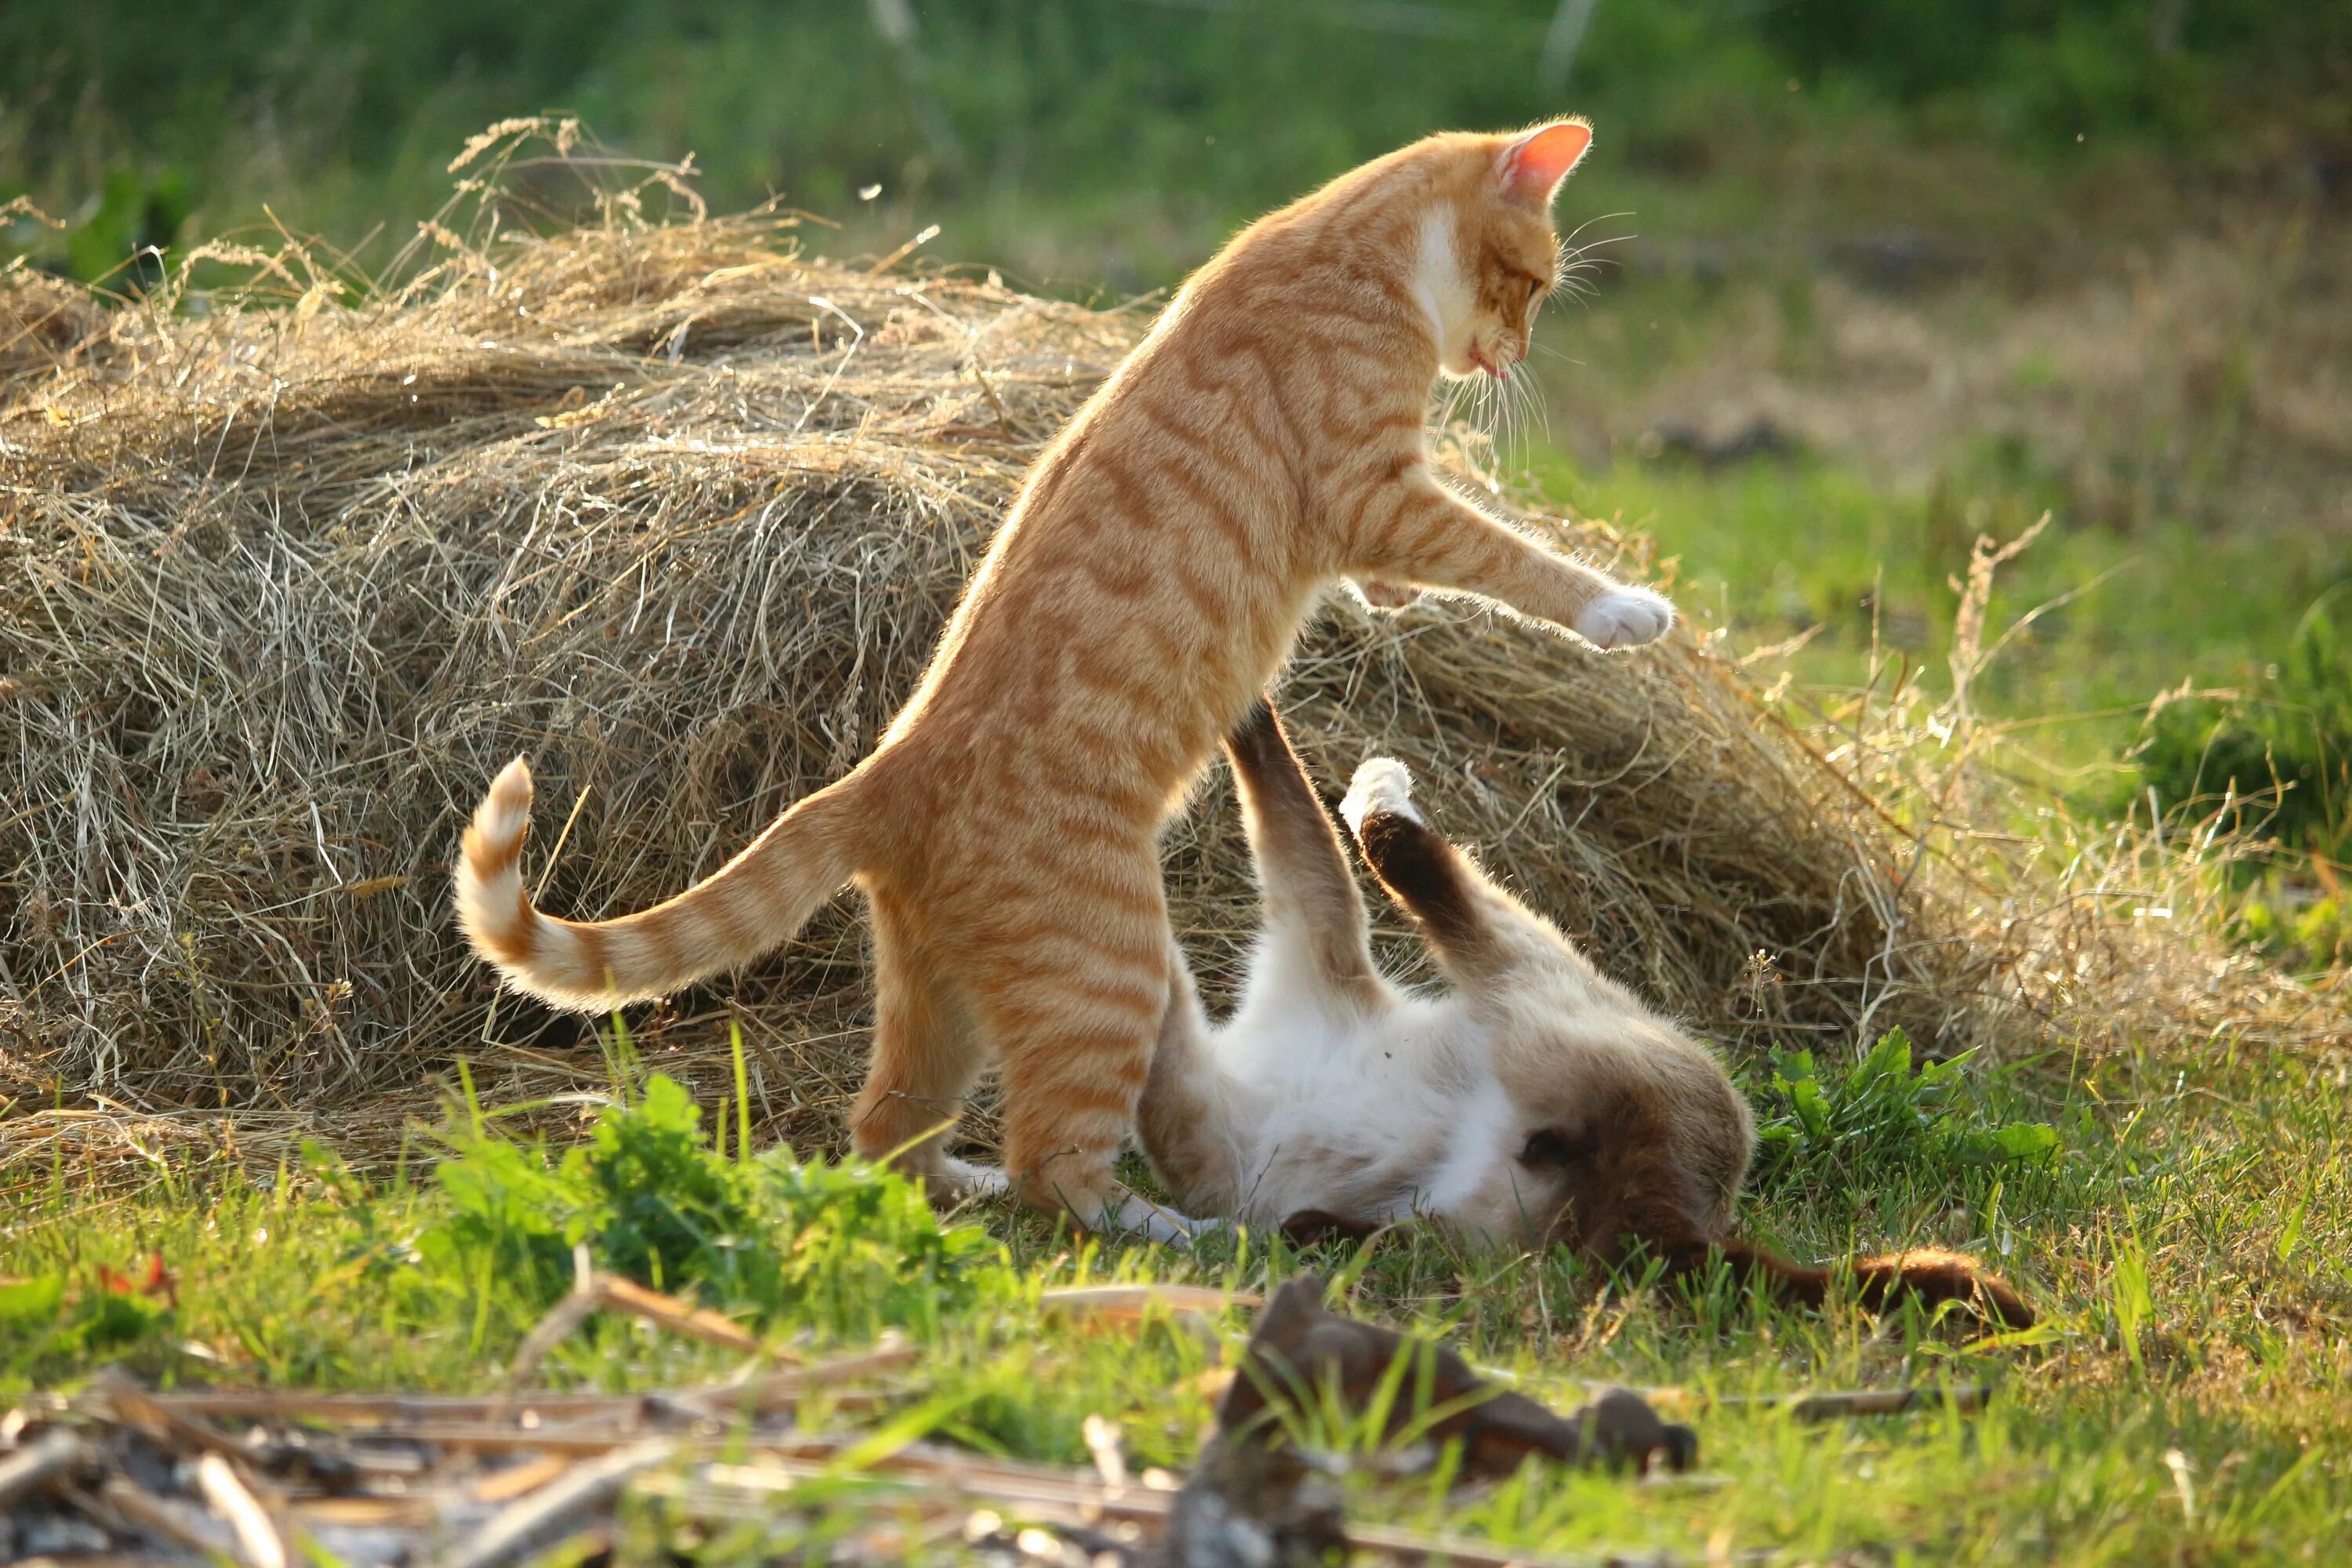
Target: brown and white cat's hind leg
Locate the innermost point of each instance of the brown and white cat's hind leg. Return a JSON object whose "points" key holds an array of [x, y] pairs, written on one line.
{"points": [[1480, 935], [1316, 941], [1186, 1118]]}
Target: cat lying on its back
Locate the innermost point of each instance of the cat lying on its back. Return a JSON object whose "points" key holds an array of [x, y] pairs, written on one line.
{"points": [[1537, 1102]]}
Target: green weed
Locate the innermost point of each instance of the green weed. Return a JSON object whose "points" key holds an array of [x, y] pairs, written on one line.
{"points": [[1880, 1117], [841, 1249], [2186, 1242]]}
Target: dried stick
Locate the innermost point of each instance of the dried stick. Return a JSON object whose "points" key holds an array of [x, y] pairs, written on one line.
{"points": [[54, 1455], [559, 1510], [258, 1542], [175, 1522], [1127, 1302]]}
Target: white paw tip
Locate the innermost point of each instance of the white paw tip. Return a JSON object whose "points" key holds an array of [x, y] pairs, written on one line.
{"points": [[1382, 786], [1625, 617]]}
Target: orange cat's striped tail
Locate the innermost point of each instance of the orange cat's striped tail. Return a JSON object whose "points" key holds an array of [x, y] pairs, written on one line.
{"points": [[755, 903]]}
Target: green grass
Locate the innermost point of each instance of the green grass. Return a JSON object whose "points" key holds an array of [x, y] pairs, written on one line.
{"points": [[1114, 142], [1769, 550], [2185, 1402]]}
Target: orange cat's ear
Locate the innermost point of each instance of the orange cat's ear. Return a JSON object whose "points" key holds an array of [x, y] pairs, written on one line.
{"points": [[1534, 164]]}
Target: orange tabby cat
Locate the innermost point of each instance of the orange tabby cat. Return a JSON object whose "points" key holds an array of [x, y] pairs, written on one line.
{"points": [[1266, 438]]}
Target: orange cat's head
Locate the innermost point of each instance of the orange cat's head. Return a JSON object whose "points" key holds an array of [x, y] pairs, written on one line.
{"points": [[1487, 255]]}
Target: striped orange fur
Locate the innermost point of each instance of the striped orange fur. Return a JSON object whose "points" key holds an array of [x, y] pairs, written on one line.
{"points": [[1266, 438]]}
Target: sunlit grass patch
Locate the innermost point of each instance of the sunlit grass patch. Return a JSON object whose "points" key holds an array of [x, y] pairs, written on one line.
{"points": [[2185, 1242]]}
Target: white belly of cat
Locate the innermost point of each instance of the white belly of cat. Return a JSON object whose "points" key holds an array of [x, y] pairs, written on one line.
{"points": [[1369, 1119]]}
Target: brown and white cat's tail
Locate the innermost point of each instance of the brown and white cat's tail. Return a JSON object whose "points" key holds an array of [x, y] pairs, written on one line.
{"points": [[1929, 1275], [754, 903]]}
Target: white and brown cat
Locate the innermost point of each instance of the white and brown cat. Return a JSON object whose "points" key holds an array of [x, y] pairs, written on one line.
{"points": [[1534, 1102], [1265, 439]]}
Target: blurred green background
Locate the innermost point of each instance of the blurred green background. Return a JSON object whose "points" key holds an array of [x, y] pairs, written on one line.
{"points": [[1870, 277], [1131, 131]]}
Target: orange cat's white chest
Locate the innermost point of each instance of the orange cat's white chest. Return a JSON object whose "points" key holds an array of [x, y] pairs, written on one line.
{"points": [[1440, 287]]}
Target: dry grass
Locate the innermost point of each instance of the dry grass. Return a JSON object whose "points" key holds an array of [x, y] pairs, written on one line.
{"points": [[677, 509], [2197, 378]]}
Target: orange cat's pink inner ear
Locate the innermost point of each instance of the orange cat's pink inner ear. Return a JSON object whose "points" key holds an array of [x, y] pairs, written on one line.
{"points": [[1533, 166]]}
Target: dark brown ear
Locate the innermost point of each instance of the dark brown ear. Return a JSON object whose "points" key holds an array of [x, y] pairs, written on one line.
{"points": [[1930, 1275]]}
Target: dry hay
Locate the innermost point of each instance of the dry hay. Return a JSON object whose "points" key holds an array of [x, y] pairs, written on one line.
{"points": [[676, 510]]}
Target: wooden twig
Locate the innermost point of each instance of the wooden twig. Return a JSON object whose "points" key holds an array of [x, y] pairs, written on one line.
{"points": [[418, 1414], [678, 1316], [1040, 1490], [762, 1394], [559, 1510], [135, 1407], [1964, 1397], [174, 1522], [1103, 1443], [54, 1456], [1833, 1404], [258, 1542], [560, 1321], [1129, 1302], [592, 1292], [379, 1410]]}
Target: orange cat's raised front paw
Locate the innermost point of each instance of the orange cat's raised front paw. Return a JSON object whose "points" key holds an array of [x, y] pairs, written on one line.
{"points": [[1625, 617]]}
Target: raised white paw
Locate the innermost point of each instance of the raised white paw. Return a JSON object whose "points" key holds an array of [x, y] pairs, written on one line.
{"points": [[1382, 786], [1625, 617]]}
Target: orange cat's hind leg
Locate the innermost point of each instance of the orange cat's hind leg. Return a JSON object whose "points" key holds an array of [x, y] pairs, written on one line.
{"points": [[1074, 1004], [926, 1054]]}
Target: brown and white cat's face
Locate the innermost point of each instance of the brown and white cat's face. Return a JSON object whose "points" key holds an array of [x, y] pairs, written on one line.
{"points": [[1621, 1125], [1487, 255]]}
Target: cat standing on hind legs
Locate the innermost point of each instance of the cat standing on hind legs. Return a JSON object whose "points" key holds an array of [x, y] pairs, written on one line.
{"points": [[1266, 438]]}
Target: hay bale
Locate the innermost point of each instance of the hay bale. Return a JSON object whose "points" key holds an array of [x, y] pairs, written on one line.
{"points": [[44, 321], [677, 511]]}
